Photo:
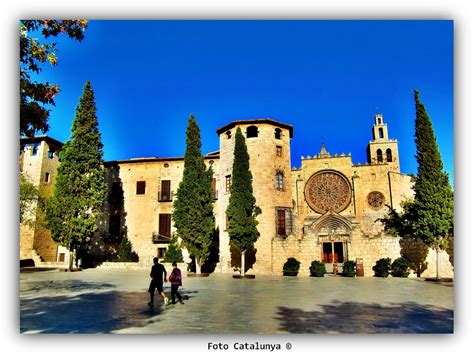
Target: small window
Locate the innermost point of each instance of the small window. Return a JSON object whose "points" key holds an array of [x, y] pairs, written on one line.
{"points": [[141, 187], [61, 257], [161, 251], [51, 154], [34, 150], [46, 177], [379, 120], [166, 165], [278, 150], [252, 132], [277, 133], [381, 133], [228, 183], [279, 180], [229, 134], [389, 155], [379, 155]]}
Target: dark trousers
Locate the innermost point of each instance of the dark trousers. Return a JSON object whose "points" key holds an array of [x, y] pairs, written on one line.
{"points": [[174, 292]]}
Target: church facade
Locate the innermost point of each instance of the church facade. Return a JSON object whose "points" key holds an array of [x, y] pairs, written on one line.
{"points": [[328, 209]]}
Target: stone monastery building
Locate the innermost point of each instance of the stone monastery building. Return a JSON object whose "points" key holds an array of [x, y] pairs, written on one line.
{"points": [[326, 210]]}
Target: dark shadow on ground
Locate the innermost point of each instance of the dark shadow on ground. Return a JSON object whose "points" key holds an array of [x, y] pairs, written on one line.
{"points": [[67, 285], [353, 317], [91, 312]]}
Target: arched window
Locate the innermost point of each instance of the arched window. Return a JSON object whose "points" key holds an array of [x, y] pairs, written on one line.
{"points": [[229, 134], [379, 155], [252, 132], [389, 155], [277, 133], [279, 180], [379, 120], [380, 133]]}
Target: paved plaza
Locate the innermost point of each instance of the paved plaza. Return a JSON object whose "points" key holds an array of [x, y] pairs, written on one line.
{"points": [[115, 301]]}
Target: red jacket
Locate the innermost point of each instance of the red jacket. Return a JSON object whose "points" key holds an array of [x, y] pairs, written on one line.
{"points": [[176, 277]]}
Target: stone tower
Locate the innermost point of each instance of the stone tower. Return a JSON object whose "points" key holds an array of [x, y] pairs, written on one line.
{"points": [[382, 150], [268, 144], [39, 160]]}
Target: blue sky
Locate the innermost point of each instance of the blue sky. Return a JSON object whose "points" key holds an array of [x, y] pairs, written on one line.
{"points": [[326, 78]]}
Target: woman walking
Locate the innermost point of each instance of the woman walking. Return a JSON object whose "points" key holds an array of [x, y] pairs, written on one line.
{"points": [[176, 281]]}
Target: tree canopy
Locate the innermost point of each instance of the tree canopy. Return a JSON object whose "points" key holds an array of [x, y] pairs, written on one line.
{"points": [[193, 213], [36, 96], [80, 189]]}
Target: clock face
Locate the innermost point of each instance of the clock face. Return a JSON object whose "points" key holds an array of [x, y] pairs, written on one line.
{"points": [[376, 200], [328, 191]]}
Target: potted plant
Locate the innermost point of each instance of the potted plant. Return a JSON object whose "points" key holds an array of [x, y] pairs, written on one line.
{"points": [[348, 269], [382, 267], [317, 269], [400, 268], [291, 267]]}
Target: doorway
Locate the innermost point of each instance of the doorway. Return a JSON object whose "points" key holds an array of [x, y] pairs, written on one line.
{"points": [[333, 252]]}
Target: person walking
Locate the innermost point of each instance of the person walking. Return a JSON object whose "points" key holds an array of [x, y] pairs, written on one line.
{"points": [[157, 274], [176, 281]]}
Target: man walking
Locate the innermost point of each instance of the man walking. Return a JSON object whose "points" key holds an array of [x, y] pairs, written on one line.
{"points": [[157, 274]]}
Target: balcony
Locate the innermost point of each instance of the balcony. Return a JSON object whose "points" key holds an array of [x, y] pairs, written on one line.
{"points": [[165, 197], [157, 238]]}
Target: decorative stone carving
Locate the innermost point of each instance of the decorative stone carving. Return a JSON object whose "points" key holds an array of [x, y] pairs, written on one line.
{"points": [[376, 200], [328, 190]]}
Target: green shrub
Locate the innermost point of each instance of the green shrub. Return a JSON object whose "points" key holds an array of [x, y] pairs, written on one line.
{"points": [[382, 267], [173, 252], [348, 270], [317, 269], [400, 268], [125, 252], [291, 267]]}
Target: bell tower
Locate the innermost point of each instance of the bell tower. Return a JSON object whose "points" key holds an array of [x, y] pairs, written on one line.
{"points": [[382, 150]]}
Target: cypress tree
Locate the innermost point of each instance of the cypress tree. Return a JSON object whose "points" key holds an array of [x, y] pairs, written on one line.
{"points": [[80, 188], [434, 199], [173, 252], [193, 213], [242, 211]]}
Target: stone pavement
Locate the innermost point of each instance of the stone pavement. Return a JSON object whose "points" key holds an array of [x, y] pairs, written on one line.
{"points": [[115, 301]]}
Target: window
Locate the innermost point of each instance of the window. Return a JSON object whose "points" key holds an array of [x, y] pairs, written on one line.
{"points": [[61, 257], [165, 191], [226, 221], [34, 150], [389, 155], [161, 251], [279, 180], [381, 133], [379, 155], [284, 225], [51, 154], [228, 183], [278, 150], [46, 177], [165, 225], [252, 132], [214, 190], [229, 134], [141, 187], [277, 133], [114, 225], [379, 120]]}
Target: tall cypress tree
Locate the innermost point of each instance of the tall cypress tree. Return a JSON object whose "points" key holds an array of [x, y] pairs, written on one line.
{"points": [[80, 188], [193, 213], [434, 199], [242, 211]]}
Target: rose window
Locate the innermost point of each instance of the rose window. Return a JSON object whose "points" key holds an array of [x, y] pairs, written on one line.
{"points": [[328, 191], [376, 200]]}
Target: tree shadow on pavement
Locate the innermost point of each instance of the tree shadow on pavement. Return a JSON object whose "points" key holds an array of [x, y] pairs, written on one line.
{"points": [[66, 285], [353, 317]]}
